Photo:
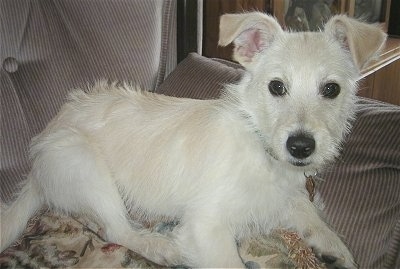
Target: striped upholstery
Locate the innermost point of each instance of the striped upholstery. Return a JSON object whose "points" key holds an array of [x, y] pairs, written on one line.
{"points": [[189, 80], [361, 190], [48, 47]]}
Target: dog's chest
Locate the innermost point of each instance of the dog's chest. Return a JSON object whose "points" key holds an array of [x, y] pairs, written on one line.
{"points": [[265, 205]]}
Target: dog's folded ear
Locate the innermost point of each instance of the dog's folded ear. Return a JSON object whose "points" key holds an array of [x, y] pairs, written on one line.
{"points": [[250, 32], [363, 40]]}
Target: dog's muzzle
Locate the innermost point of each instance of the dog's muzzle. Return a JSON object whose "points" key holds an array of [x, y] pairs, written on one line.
{"points": [[300, 146]]}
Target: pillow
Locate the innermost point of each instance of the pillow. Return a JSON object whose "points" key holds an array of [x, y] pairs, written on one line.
{"points": [[200, 78], [361, 190], [54, 240]]}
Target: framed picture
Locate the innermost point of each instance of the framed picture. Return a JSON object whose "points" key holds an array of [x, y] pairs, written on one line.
{"points": [[311, 15]]}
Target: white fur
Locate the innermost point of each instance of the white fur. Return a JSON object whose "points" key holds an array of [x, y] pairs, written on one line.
{"points": [[219, 166]]}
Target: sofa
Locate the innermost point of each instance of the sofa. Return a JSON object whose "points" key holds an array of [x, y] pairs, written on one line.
{"points": [[50, 47]]}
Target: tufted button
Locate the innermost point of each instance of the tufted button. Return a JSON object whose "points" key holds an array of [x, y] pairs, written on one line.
{"points": [[10, 64]]}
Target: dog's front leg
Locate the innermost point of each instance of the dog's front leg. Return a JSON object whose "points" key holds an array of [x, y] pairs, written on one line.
{"points": [[207, 243], [328, 246]]}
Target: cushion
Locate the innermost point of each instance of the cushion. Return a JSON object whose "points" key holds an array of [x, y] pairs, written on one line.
{"points": [[200, 77], [361, 189], [53, 240]]}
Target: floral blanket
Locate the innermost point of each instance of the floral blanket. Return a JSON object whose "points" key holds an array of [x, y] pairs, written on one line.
{"points": [[57, 241]]}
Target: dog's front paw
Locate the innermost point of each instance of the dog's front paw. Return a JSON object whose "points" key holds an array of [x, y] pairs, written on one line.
{"points": [[331, 250], [165, 251], [158, 248], [333, 262]]}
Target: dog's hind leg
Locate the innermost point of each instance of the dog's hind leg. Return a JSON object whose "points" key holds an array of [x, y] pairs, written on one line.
{"points": [[109, 209], [75, 178]]}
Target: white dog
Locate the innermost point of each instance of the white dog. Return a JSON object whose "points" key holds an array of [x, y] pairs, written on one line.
{"points": [[226, 168]]}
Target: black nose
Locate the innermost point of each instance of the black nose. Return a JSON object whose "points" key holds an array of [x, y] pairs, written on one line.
{"points": [[300, 146]]}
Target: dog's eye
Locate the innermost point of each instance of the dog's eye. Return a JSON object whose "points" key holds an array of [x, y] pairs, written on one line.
{"points": [[277, 88], [330, 90]]}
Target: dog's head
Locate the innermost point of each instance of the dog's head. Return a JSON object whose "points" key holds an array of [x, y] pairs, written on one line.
{"points": [[299, 90]]}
